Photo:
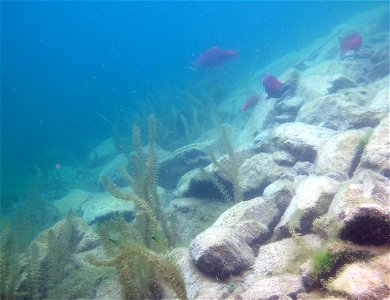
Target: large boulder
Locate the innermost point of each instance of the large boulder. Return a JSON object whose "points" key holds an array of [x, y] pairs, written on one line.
{"points": [[73, 200], [256, 173], [301, 140], [341, 153], [103, 207], [359, 281], [183, 160], [361, 208], [112, 169], [56, 252], [376, 154], [344, 110], [313, 196], [225, 247]]}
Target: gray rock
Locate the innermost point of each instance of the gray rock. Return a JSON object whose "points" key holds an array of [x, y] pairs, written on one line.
{"points": [[302, 168], [256, 173], [102, 152], [341, 82], [359, 281], [344, 110], [112, 169], [260, 119], [281, 191], [313, 196], [225, 247], [183, 160], [341, 153], [291, 105], [301, 140], [80, 240], [361, 207], [284, 118], [379, 70], [284, 287], [73, 200], [102, 207], [198, 285], [283, 158], [285, 256], [376, 154]]}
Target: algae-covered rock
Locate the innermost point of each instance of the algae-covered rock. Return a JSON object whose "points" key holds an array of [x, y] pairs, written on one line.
{"points": [[313, 196], [376, 154], [340, 153], [359, 281], [361, 206], [183, 160], [103, 207], [73, 200], [256, 173], [301, 140], [225, 247], [112, 169]]}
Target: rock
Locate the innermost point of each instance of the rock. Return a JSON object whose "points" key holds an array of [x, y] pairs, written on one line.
{"points": [[218, 252], [380, 100], [313, 196], [302, 168], [340, 82], [359, 281], [341, 153], [344, 110], [379, 70], [225, 248], [284, 287], [291, 105], [301, 140], [102, 207], [361, 206], [112, 169], [263, 141], [281, 191], [284, 118], [256, 173], [198, 184], [110, 289], [102, 152], [183, 160], [285, 256], [73, 200], [381, 263], [376, 154], [283, 158], [198, 285], [190, 216], [64, 241], [260, 119]]}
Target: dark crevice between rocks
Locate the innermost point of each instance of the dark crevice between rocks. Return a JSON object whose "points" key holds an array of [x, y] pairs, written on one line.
{"points": [[355, 161], [370, 228]]}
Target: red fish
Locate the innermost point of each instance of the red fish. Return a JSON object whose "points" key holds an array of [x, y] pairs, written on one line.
{"points": [[250, 103], [352, 41], [214, 57], [273, 87]]}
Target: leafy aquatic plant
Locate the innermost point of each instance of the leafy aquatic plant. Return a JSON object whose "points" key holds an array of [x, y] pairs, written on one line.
{"points": [[142, 271]]}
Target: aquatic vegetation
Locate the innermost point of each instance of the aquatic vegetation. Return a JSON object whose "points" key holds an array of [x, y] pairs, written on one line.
{"points": [[141, 270], [8, 262], [322, 263], [231, 171]]}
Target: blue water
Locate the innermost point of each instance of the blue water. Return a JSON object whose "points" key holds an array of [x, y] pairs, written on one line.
{"points": [[64, 61]]}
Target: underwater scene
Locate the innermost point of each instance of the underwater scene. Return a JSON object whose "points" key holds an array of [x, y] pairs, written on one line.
{"points": [[195, 150]]}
